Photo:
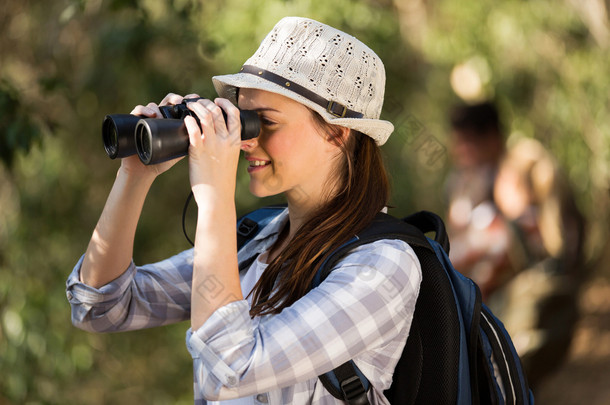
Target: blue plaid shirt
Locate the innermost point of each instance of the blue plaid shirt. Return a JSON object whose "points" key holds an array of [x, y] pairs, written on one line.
{"points": [[362, 311]]}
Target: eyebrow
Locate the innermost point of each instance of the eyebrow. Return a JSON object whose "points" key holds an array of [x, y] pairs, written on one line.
{"points": [[264, 109]]}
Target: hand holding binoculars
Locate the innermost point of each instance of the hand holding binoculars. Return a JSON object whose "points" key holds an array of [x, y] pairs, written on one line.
{"points": [[157, 140]]}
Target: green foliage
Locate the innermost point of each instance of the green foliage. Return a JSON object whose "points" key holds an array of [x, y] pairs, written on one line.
{"points": [[65, 64], [17, 130]]}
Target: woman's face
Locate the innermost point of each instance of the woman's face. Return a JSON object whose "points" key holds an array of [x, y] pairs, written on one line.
{"points": [[291, 154]]}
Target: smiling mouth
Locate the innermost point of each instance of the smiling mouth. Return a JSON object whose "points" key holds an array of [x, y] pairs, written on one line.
{"points": [[258, 163]]}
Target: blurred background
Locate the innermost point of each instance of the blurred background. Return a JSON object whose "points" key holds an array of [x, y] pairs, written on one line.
{"points": [[65, 64]]}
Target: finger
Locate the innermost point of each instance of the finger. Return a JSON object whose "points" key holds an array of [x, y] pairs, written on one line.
{"points": [[154, 107], [233, 122], [171, 99], [192, 96], [222, 127], [229, 108], [151, 110], [195, 135], [205, 111], [216, 111], [208, 104], [205, 106]]}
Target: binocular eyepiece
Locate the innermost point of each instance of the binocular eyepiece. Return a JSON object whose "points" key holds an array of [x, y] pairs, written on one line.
{"points": [[157, 140]]}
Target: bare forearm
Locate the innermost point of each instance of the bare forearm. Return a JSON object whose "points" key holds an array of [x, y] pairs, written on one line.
{"points": [[110, 250], [213, 155], [215, 272]]}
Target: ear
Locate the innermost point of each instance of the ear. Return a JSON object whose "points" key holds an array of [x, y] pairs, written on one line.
{"points": [[339, 136]]}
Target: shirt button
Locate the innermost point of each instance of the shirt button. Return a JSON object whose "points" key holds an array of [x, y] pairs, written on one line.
{"points": [[231, 380], [262, 398]]}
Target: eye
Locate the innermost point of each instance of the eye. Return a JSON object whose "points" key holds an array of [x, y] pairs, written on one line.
{"points": [[266, 121]]}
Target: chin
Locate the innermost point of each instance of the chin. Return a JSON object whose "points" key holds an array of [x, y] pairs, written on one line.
{"points": [[260, 191]]}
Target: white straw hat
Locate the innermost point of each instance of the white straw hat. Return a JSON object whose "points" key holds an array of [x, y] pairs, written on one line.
{"points": [[323, 68]]}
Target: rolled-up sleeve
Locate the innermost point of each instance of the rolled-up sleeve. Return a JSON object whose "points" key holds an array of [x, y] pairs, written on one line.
{"points": [[142, 297], [362, 311], [225, 340]]}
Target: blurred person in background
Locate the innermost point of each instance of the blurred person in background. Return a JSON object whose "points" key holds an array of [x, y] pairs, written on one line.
{"points": [[516, 231]]}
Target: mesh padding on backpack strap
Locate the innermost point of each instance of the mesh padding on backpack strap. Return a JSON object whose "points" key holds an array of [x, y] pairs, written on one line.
{"points": [[428, 370], [427, 373]]}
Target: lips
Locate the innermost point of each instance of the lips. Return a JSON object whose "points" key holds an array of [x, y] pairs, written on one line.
{"points": [[255, 164]]}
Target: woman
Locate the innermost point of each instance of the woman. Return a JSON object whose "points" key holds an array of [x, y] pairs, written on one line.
{"points": [[258, 333]]}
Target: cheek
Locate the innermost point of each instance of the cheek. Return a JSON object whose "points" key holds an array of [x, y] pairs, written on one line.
{"points": [[298, 150], [277, 148], [287, 145]]}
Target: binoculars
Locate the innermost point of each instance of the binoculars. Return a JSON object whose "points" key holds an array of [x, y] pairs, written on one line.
{"points": [[157, 140]]}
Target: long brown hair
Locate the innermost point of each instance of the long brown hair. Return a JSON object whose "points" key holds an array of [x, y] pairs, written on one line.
{"points": [[363, 191]]}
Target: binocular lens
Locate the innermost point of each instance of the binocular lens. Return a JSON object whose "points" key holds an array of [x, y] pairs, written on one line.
{"points": [[143, 143], [159, 140], [111, 141], [114, 127]]}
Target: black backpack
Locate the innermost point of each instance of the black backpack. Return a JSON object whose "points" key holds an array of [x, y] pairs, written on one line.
{"points": [[457, 351]]}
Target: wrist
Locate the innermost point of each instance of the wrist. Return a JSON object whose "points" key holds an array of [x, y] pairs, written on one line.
{"points": [[207, 195], [214, 207], [128, 176]]}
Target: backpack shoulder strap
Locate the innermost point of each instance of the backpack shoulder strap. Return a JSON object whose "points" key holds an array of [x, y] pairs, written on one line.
{"points": [[250, 224], [426, 222], [384, 226], [347, 382], [433, 333]]}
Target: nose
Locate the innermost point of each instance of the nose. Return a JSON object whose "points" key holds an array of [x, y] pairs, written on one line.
{"points": [[249, 144]]}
